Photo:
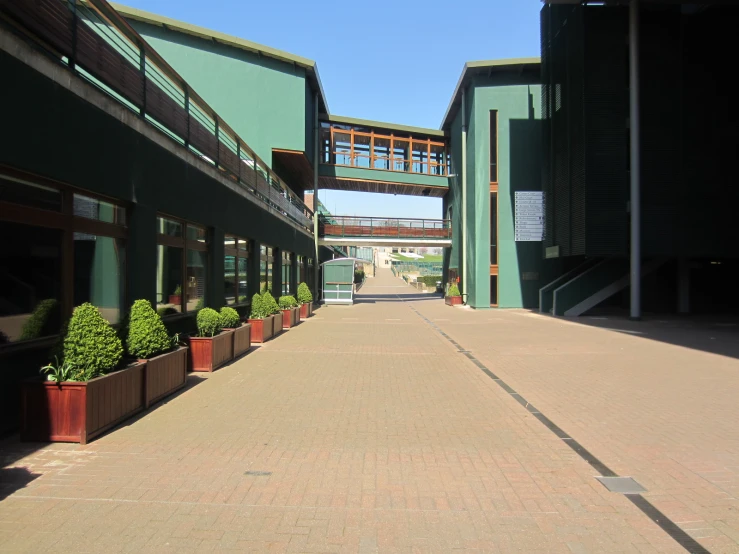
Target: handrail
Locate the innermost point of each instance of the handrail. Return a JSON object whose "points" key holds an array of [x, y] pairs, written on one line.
{"points": [[92, 39], [357, 226]]}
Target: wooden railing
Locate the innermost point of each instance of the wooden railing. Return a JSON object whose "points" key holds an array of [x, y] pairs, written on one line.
{"points": [[92, 39], [370, 150], [383, 227]]}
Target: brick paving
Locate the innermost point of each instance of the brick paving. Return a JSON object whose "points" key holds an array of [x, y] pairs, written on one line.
{"points": [[363, 430]]}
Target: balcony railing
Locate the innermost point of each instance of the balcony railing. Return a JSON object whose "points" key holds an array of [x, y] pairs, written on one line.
{"points": [[93, 40], [346, 146], [382, 227]]}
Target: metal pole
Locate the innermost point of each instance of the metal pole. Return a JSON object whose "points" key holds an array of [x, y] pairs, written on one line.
{"points": [[635, 170], [316, 158], [464, 192]]}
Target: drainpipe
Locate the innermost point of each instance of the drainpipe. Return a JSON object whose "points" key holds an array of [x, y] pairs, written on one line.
{"points": [[635, 170], [464, 193], [316, 157]]}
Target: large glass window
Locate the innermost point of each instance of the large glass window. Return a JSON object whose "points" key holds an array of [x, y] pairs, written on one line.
{"points": [[493, 146], [265, 268], [235, 269], [182, 265], [286, 272], [61, 248]]}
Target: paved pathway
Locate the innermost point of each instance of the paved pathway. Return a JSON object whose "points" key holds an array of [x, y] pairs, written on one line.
{"points": [[365, 430]]}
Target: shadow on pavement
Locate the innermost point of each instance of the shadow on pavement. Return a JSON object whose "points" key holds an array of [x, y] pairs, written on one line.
{"points": [[13, 479]]}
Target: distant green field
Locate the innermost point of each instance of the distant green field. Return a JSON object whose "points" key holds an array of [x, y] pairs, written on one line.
{"points": [[426, 258]]}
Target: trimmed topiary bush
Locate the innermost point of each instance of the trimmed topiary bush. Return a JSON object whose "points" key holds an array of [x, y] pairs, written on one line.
{"points": [[230, 318], [304, 294], [270, 304], [209, 322], [258, 309], [454, 291], [147, 335], [287, 302], [43, 321], [91, 343]]}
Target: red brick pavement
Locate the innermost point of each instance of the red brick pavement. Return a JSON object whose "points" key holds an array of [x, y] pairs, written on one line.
{"points": [[361, 430]]}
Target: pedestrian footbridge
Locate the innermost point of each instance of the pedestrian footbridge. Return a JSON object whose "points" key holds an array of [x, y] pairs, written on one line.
{"points": [[382, 231]]}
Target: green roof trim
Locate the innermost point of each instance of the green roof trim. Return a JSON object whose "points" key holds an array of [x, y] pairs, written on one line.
{"points": [[482, 67], [229, 40], [343, 120]]}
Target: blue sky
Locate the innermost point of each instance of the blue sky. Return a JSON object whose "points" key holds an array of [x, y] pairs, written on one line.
{"points": [[397, 63]]}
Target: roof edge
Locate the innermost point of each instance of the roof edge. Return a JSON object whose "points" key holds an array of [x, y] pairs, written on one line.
{"points": [[501, 65]]}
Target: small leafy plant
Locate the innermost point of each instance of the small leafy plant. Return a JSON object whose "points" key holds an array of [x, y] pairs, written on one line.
{"points": [[91, 344], [209, 322], [286, 302], [230, 318], [454, 291], [304, 294], [258, 309], [271, 306], [59, 371], [177, 291], [147, 336]]}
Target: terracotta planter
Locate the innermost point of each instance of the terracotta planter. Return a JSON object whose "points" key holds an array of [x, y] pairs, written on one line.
{"points": [[77, 412], [287, 318], [277, 326], [453, 300], [304, 311], [261, 329], [165, 374], [242, 339], [175, 299], [296, 315], [210, 353]]}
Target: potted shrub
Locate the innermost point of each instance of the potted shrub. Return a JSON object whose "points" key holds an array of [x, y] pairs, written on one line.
{"points": [[273, 308], [261, 320], [453, 296], [88, 390], [305, 298], [213, 347], [290, 311], [148, 341], [176, 297], [230, 321]]}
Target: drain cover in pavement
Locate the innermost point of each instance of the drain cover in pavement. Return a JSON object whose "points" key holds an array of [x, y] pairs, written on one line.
{"points": [[624, 485]]}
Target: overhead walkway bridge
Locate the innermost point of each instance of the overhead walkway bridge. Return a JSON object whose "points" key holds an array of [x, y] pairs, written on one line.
{"points": [[383, 231]]}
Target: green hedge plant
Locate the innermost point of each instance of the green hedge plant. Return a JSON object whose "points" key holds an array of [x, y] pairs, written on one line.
{"points": [[91, 344], [257, 307], [287, 302], [270, 303], [147, 335], [304, 294], [453, 291], [209, 322], [230, 318]]}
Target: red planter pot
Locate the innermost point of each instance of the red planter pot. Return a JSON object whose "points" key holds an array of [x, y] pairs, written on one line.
{"points": [[296, 315], [210, 353], [241, 339], [77, 412], [165, 374], [261, 329], [175, 299], [277, 324], [290, 317], [453, 300], [306, 310]]}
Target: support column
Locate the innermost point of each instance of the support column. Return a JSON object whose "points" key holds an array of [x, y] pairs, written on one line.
{"points": [[252, 280], [214, 285], [464, 193], [683, 286], [634, 128], [276, 272], [316, 159]]}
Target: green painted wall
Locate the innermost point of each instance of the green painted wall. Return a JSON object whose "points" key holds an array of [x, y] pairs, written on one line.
{"points": [[262, 99], [381, 176], [519, 148]]}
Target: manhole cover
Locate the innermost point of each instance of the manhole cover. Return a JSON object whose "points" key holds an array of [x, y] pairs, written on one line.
{"points": [[624, 485], [258, 473]]}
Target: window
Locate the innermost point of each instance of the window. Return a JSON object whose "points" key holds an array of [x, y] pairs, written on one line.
{"points": [[62, 248], [309, 277], [265, 268], [235, 269], [182, 263], [301, 269], [494, 228], [493, 146], [286, 272]]}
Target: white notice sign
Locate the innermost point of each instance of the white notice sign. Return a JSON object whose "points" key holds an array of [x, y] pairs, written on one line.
{"points": [[529, 215]]}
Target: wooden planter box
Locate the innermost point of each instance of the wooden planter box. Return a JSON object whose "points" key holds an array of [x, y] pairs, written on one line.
{"points": [[209, 353], [165, 374], [453, 300], [175, 299], [261, 329], [277, 324], [290, 317], [242, 339], [296, 315], [77, 412], [306, 310]]}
